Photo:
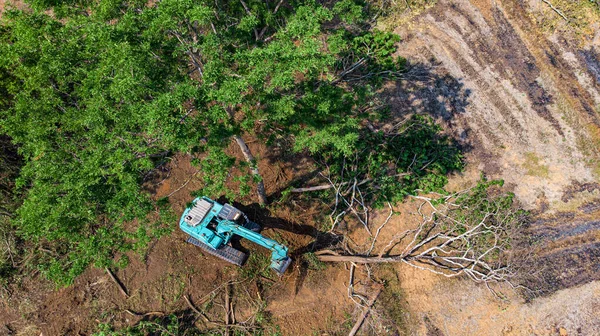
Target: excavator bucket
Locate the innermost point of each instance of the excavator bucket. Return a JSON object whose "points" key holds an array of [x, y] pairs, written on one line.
{"points": [[280, 266]]}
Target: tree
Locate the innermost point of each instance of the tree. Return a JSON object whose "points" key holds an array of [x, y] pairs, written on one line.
{"points": [[101, 91], [266, 70], [93, 105], [469, 233]]}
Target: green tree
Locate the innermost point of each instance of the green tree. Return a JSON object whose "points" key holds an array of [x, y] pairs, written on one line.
{"points": [[93, 104], [270, 71], [98, 91]]}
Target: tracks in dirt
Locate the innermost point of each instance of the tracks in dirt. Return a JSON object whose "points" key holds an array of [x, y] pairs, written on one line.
{"points": [[523, 105]]}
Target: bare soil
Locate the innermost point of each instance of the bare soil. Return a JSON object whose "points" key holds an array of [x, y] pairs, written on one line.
{"points": [[523, 102]]}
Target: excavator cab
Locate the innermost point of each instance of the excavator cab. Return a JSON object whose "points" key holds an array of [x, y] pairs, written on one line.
{"points": [[211, 226]]}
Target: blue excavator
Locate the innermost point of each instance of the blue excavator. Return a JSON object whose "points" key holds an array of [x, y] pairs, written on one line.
{"points": [[211, 226]]}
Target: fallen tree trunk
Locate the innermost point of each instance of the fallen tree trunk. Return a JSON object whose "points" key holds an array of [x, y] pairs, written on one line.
{"points": [[117, 282], [357, 259], [326, 186], [330, 185], [260, 187]]}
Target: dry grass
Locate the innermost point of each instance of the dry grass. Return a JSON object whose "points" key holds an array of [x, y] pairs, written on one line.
{"points": [[583, 15], [394, 13], [534, 166]]}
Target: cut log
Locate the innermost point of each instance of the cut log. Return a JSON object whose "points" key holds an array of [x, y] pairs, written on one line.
{"points": [[358, 259], [116, 281]]}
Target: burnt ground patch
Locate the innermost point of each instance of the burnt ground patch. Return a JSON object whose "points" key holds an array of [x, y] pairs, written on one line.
{"points": [[564, 269], [562, 250], [523, 67], [578, 187], [592, 60]]}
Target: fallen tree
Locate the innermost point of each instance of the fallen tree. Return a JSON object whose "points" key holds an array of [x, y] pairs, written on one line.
{"points": [[466, 233]]}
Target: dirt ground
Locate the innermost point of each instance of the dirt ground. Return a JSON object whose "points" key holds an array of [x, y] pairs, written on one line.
{"points": [[455, 307], [523, 102]]}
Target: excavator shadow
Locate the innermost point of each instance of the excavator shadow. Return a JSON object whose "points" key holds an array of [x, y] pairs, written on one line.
{"points": [[264, 218], [320, 239]]}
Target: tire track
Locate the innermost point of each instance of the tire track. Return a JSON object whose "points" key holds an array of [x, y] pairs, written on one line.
{"points": [[529, 119]]}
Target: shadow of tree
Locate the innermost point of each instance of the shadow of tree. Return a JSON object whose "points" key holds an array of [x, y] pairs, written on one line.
{"points": [[423, 89], [427, 90]]}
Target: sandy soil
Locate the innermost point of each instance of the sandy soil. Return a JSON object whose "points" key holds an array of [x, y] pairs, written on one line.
{"points": [[456, 307], [525, 107]]}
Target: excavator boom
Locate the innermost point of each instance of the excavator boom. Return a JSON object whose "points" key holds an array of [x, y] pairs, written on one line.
{"points": [[279, 257]]}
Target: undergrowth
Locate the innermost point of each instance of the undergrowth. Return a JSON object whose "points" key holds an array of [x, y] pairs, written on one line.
{"points": [[392, 14], [391, 302], [184, 324], [582, 16], [388, 166], [256, 265]]}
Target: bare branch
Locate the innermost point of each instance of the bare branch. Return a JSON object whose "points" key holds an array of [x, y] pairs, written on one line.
{"points": [[381, 227], [365, 313], [556, 10]]}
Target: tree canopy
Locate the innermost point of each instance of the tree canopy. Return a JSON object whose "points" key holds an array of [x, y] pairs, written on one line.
{"points": [[95, 93]]}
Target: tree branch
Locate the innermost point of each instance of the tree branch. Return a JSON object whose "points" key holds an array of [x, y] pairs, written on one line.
{"points": [[117, 282], [556, 10], [365, 313], [260, 186]]}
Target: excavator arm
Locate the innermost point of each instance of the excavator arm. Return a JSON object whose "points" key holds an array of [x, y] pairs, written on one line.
{"points": [[279, 257]]}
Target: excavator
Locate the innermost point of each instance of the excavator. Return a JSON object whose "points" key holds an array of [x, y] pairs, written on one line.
{"points": [[211, 226]]}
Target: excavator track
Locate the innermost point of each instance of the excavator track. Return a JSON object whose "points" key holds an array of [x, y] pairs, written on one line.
{"points": [[226, 252]]}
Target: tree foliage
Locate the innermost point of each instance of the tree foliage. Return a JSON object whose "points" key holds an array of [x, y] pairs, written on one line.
{"points": [[93, 103], [397, 162], [97, 91]]}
